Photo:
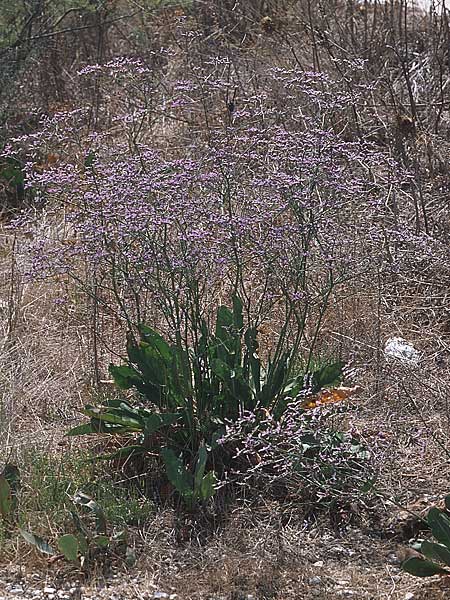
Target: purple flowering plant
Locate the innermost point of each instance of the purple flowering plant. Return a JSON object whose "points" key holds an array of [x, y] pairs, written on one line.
{"points": [[261, 203], [256, 202]]}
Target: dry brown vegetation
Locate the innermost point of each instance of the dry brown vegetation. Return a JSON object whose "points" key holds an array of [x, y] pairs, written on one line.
{"points": [[54, 357]]}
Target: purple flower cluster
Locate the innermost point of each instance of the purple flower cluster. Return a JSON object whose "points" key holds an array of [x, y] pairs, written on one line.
{"points": [[266, 199], [300, 452]]}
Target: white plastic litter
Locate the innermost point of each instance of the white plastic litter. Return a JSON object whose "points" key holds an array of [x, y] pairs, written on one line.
{"points": [[400, 349]]}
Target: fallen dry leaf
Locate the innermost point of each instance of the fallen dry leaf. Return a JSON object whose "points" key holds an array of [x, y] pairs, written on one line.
{"points": [[330, 396]]}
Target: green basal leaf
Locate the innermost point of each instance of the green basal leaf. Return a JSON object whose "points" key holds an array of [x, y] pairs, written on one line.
{"points": [[181, 372], [156, 341], [224, 322], [221, 370], [200, 468], [125, 377], [120, 407], [208, 488], [326, 376], [439, 524], [12, 172], [12, 475], [423, 568], [103, 414], [5, 498], [97, 426], [37, 542], [126, 452], [177, 473], [154, 422], [447, 502], [84, 429], [69, 546], [238, 319], [102, 541], [219, 433], [436, 552], [81, 528], [83, 545]]}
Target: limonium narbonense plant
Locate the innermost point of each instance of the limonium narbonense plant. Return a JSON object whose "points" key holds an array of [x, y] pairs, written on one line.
{"points": [[261, 202]]}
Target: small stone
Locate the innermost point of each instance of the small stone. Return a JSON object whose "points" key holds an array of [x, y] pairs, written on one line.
{"points": [[408, 596], [318, 564], [160, 595], [49, 590], [393, 559], [17, 589], [315, 580]]}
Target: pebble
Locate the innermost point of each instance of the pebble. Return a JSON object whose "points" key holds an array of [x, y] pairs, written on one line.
{"points": [[393, 559], [408, 596], [315, 580], [49, 590], [318, 564], [17, 589]]}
